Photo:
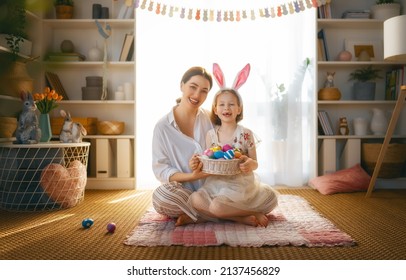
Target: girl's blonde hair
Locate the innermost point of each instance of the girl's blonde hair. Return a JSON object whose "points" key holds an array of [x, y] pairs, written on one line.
{"points": [[213, 117]]}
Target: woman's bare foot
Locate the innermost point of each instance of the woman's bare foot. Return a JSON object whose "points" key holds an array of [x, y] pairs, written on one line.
{"points": [[262, 219], [184, 219]]}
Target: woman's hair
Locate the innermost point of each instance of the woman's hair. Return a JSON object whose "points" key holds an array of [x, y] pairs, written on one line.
{"points": [[196, 71], [213, 117]]}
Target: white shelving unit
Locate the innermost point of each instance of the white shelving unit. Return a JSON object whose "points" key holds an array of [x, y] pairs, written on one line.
{"points": [[47, 33], [334, 151]]}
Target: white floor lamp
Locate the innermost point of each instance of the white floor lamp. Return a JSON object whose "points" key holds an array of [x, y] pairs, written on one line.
{"points": [[394, 38]]}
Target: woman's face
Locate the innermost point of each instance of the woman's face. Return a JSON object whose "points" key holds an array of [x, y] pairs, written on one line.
{"points": [[227, 107], [195, 91]]}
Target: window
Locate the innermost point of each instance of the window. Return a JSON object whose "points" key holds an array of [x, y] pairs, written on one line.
{"points": [[281, 50]]}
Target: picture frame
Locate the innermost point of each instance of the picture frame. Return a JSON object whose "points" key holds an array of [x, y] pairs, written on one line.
{"points": [[374, 49], [54, 83]]}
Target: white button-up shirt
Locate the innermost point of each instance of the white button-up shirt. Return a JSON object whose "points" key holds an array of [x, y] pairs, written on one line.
{"points": [[172, 150]]}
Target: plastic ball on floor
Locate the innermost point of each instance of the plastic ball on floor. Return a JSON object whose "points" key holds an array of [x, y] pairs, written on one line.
{"points": [[87, 223], [111, 227]]}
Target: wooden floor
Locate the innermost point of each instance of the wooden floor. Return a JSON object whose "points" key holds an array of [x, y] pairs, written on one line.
{"points": [[378, 225]]}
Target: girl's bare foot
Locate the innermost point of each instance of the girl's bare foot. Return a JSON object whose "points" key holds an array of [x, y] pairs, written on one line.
{"points": [[247, 220], [255, 220]]}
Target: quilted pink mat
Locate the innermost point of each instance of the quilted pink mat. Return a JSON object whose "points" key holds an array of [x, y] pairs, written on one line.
{"points": [[294, 222]]}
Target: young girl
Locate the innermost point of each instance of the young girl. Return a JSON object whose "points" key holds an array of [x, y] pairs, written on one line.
{"points": [[241, 198]]}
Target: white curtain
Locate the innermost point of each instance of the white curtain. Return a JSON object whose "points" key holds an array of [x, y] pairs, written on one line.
{"points": [[278, 96]]}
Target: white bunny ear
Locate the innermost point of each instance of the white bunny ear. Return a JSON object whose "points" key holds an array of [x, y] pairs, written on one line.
{"points": [[218, 75], [242, 77]]}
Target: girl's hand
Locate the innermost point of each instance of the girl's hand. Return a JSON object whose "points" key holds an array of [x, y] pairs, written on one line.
{"points": [[247, 164]]}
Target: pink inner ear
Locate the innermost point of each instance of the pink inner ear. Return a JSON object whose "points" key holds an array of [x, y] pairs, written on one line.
{"points": [[218, 75], [242, 77]]}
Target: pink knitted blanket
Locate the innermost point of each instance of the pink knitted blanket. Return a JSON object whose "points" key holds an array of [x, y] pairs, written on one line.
{"points": [[294, 222]]}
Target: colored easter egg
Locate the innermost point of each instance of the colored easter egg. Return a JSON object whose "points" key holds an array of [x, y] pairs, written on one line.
{"points": [[87, 223], [209, 153], [237, 154], [215, 149], [218, 154], [229, 154], [227, 147], [111, 227], [205, 156]]}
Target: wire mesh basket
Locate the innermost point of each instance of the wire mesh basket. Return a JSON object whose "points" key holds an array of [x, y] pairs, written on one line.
{"points": [[47, 176]]}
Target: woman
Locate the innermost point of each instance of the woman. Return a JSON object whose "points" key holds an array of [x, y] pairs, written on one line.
{"points": [[177, 137]]}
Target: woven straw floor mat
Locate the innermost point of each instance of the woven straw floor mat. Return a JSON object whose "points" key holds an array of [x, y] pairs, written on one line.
{"points": [[378, 225]]}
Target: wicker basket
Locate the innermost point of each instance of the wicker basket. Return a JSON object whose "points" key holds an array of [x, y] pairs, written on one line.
{"points": [[392, 163], [7, 127], [329, 94], [89, 123], [110, 127], [221, 166]]}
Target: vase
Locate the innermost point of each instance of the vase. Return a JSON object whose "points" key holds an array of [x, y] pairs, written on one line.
{"points": [[45, 126], [360, 126], [379, 123], [16, 79], [364, 90], [64, 12]]}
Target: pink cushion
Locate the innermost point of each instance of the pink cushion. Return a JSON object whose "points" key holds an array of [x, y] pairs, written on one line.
{"points": [[346, 180]]}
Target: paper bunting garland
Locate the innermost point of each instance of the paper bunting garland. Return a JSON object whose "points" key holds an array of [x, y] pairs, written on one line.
{"points": [[199, 13]]}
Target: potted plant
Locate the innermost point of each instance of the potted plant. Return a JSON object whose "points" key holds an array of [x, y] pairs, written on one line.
{"points": [[12, 26], [384, 9], [364, 87], [14, 77], [64, 9]]}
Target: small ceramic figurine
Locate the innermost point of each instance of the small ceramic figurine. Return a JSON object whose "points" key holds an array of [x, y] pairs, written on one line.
{"points": [[72, 132], [28, 131], [329, 83], [343, 128]]}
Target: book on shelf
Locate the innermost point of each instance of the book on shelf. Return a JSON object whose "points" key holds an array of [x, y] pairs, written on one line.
{"points": [[325, 123], [321, 36], [126, 10], [394, 79], [324, 11], [54, 83], [127, 48], [66, 57], [356, 14]]}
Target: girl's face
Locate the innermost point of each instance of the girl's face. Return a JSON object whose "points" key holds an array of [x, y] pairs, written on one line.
{"points": [[195, 91], [227, 107]]}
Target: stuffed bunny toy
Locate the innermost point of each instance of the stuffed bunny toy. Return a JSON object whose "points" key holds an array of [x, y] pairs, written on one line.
{"points": [[72, 132], [28, 131]]}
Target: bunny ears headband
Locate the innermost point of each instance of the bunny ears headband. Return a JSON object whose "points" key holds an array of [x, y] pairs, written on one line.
{"points": [[240, 79]]}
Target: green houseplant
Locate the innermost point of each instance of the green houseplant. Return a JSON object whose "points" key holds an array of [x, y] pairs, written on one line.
{"points": [[64, 9], [364, 87], [12, 25], [14, 76], [384, 9]]}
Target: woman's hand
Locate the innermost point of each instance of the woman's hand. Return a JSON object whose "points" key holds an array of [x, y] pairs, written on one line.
{"points": [[194, 162], [196, 165], [248, 164]]}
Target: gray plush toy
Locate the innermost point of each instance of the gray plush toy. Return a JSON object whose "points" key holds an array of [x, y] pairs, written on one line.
{"points": [[28, 131]]}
